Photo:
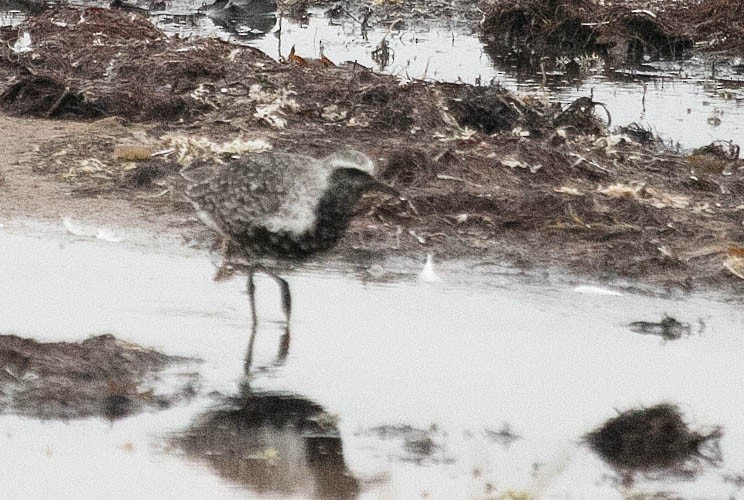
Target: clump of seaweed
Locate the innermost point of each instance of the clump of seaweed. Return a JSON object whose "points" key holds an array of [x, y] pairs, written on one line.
{"points": [[655, 439], [579, 27], [668, 328], [406, 167]]}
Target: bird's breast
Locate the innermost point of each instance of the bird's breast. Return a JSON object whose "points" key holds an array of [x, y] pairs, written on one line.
{"points": [[284, 244]]}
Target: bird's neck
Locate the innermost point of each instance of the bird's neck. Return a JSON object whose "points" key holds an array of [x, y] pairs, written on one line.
{"points": [[333, 213]]}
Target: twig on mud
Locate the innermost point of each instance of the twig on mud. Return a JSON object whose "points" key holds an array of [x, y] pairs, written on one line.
{"points": [[443, 236], [445, 177], [364, 21], [57, 102], [426, 69], [609, 117], [410, 205], [580, 159], [381, 54], [446, 221], [159, 194], [9, 372]]}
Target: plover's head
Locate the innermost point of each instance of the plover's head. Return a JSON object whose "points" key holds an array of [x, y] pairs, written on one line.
{"points": [[356, 182], [349, 158], [345, 187]]}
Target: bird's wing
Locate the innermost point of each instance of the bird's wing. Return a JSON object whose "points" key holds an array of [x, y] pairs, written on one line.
{"points": [[276, 191], [304, 180]]}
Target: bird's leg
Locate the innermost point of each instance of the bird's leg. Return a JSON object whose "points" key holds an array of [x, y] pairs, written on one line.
{"points": [[225, 270], [283, 347], [251, 287], [249, 355], [286, 296]]}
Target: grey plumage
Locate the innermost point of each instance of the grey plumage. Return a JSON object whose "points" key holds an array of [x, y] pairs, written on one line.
{"points": [[281, 205], [278, 204], [258, 190]]}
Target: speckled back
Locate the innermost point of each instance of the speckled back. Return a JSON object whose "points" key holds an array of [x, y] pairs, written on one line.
{"points": [[275, 191]]}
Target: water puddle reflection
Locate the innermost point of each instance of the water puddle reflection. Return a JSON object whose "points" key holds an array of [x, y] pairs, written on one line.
{"points": [[399, 389]]}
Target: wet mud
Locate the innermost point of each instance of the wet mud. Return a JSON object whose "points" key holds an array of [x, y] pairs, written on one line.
{"points": [[100, 376], [482, 172]]}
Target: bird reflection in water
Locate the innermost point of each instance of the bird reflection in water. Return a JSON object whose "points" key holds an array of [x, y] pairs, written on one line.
{"points": [[285, 208], [243, 18], [272, 442]]}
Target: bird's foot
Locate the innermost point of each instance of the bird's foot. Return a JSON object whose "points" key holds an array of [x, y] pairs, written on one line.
{"points": [[224, 273]]}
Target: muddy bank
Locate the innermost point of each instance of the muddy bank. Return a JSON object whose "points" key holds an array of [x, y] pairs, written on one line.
{"points": [[484, 174], [100, 376], [542, 33], [619, 28]]}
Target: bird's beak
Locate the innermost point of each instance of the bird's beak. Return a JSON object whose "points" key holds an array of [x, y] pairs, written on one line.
{"points": [[384, 188]]}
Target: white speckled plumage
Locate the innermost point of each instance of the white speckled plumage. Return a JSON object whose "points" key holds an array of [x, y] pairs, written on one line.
{"points": [[278, 191], [280, 204]]}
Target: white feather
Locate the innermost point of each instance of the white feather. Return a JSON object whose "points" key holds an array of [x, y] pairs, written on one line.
{"points": [[23, 44], [595, 290], [428, 275]]}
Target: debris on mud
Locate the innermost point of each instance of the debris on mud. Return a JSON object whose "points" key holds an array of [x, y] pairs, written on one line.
{"points": [[273, 443], [481, 171], [655, 440], [100, 376], [417, 445], [579, 116], [717, 157], [492, 109], [97, 62], [577, 28], [639, 133], [710, 23], [734, 261], [668, 328], [406, 168], [505, 436]]}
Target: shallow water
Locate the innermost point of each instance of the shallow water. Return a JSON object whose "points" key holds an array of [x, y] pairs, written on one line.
{"points": [[461, 355]]}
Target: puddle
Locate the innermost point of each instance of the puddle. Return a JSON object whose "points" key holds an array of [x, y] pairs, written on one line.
{"points": [[415, 386]]}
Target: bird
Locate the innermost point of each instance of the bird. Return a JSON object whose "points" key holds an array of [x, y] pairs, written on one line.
{"points": [[279, 207]]}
